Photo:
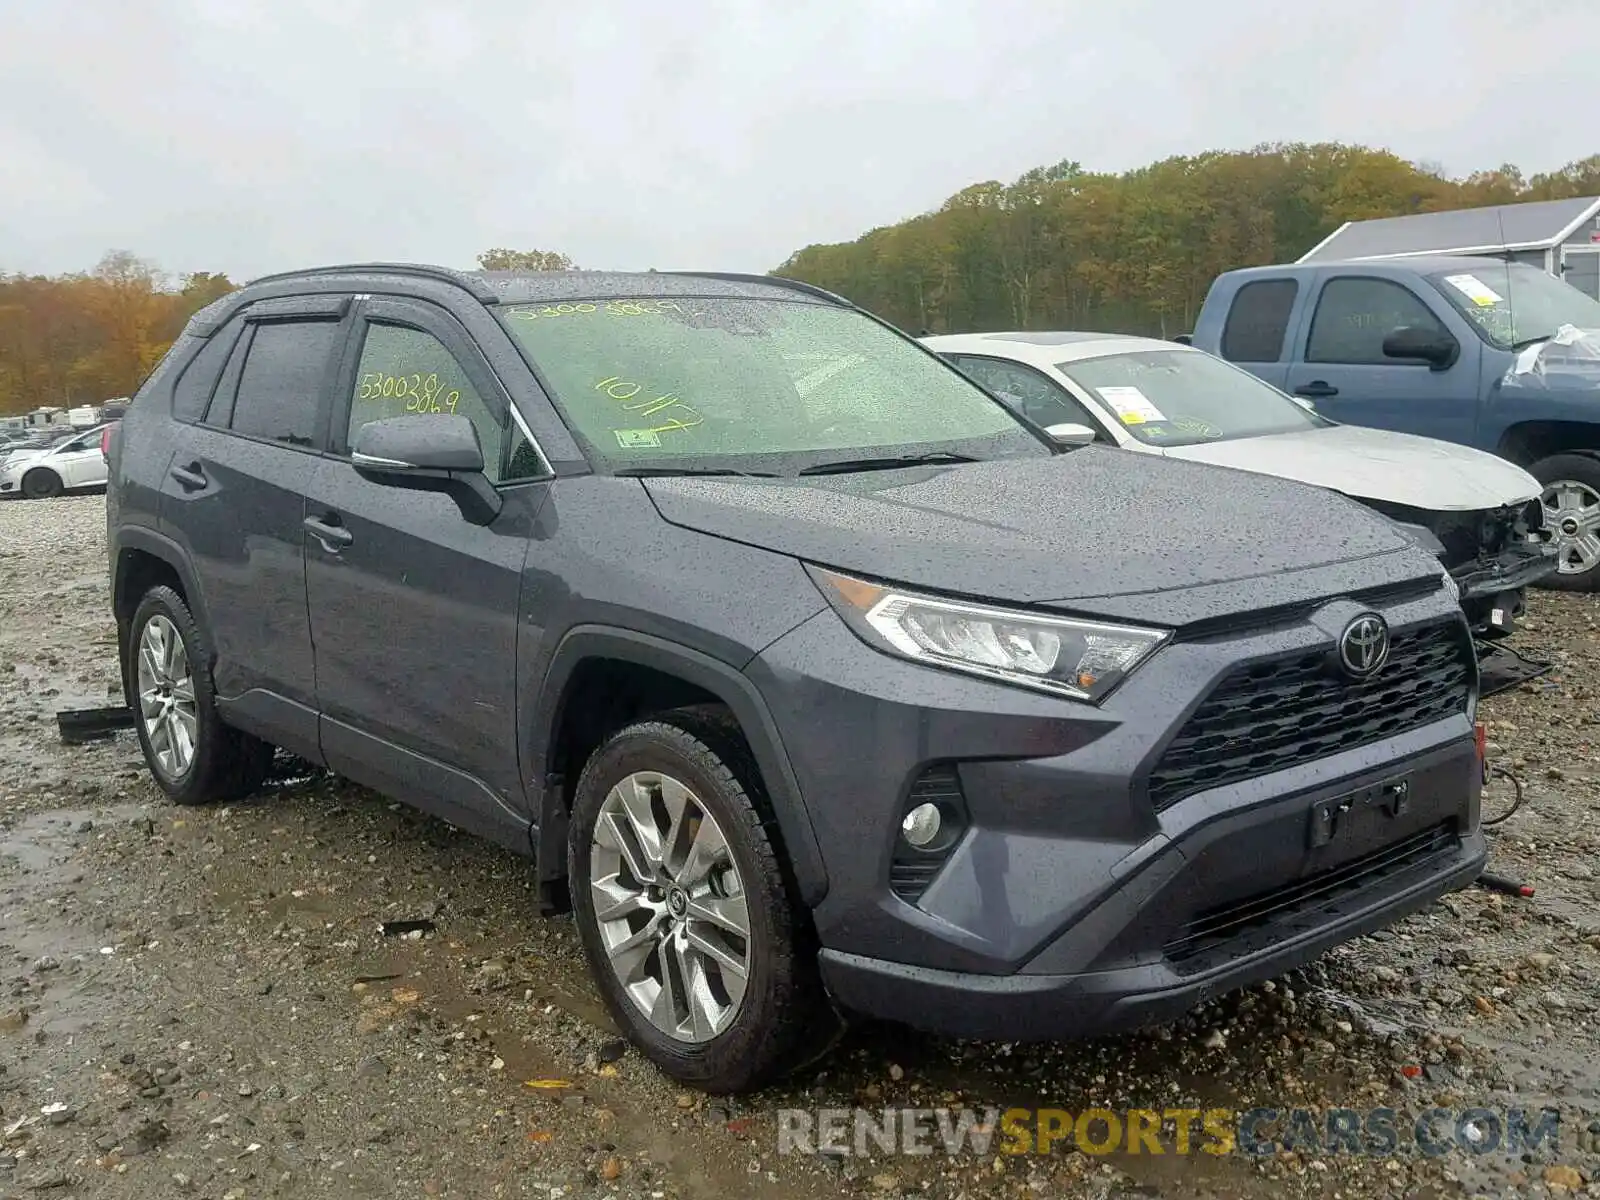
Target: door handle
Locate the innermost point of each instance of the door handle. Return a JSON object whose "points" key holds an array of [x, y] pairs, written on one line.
{"points": [[330, 532], [191, 478], [1316, 389]]}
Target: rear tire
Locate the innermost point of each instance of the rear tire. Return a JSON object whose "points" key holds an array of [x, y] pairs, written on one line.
{"points": [[731, 1032], [41, 484], [1572, 519], [194, 756]]}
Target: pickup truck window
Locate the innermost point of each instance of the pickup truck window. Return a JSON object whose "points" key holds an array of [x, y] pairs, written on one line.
{"points": [[1181, 397], [1513, 305], [1258, 321], [1354, 314]]}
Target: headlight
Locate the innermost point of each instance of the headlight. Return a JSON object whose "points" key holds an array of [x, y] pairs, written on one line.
{"points": [[1081, 659]]}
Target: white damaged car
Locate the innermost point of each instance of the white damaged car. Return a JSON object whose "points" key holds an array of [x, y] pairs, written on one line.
{"points": [[1481, 514], [40, 472]]}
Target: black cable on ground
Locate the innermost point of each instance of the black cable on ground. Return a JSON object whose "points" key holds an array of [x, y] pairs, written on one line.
{"points": [[1516, 784]]}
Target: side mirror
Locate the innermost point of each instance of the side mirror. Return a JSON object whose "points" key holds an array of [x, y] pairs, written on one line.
{"points": [[438, 453], [1438, 350], [1069, 434]]}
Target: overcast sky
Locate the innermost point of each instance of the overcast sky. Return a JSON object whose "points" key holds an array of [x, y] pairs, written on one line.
{"points": [[251, 137]]}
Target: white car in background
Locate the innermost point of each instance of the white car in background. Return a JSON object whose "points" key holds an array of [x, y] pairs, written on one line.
{"points": [[68, 465], [1479, 513]]}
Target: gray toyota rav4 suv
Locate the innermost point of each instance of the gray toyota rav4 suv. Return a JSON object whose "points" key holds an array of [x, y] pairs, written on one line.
{"points": [[814, 680]]}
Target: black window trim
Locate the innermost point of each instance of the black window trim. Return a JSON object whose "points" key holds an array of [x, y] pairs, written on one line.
{"points": [[1284, 339], [1342, 276], [284, 310], [1095, 411], [411, 312]]}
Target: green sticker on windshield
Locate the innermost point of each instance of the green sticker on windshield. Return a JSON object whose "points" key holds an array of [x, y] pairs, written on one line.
{"points": [[637, 439]]}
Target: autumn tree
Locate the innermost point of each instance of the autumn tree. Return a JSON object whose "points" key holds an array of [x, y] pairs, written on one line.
{"points": [[524, 260], [84, 338], [1061, 247]]}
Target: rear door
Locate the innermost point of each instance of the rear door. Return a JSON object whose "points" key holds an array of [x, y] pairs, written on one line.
{"points": [[413, 606], [1255, 331], [234, 497], [1342, 371]]}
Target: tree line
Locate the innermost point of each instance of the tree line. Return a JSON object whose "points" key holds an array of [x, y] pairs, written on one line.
{"points": [[1060, 247], [1066, 248]]}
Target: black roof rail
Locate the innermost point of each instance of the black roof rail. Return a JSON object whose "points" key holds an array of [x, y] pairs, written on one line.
{"points": [[478, 287], [780, 281]]}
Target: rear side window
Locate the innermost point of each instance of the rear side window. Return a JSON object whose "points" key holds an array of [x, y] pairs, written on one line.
{"points": [[1354, 315], [1258, 321], [192, 393], [282, 383]]}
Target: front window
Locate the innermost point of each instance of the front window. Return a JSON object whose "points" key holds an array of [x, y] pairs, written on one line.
{"points": [[752, 385], [1183, 397], [1514, 305]]}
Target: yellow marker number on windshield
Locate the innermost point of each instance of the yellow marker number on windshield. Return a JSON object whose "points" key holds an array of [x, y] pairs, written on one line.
{"points": [[636, 399]]}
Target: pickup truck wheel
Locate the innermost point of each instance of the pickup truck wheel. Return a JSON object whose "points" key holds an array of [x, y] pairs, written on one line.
{"points": [[41, 484], [1572, 519], [193, 755], [683, 908]]}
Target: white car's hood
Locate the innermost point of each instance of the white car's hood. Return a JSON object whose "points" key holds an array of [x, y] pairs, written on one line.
{"points": [[1375, 464]]}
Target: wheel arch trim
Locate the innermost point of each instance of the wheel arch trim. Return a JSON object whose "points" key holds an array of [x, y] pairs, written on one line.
{"points": [[585, 642]]}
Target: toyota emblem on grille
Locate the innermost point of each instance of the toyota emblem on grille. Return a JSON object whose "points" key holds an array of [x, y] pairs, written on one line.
{"points": [[1364, 646]]}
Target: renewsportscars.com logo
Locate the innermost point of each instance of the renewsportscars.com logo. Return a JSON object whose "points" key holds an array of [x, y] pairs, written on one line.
{"points": [[1375, 1132]]}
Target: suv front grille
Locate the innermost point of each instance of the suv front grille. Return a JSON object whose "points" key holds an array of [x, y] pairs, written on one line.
{"points": [[1293, 709], [1248, 925]]}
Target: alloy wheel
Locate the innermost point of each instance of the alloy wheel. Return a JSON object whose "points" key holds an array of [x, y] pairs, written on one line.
{"points": [[670, 906], [1572, 522], [166, 696]]}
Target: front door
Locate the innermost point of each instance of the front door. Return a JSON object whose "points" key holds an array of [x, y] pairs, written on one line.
{"points": [[79, 462], [1344, 374], [413, 606]]}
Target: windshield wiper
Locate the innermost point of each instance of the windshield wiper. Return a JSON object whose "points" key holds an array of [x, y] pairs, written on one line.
{"points": [[645, 472], [1526, 342], [844, 465]]}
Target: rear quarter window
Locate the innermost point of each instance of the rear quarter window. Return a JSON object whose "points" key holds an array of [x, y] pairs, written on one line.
{"points": [[192, 392]]}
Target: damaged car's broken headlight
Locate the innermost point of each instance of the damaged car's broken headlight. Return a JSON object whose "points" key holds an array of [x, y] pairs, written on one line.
{"points": [[1083, 660]]}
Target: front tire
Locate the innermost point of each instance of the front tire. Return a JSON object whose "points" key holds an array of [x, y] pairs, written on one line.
{"points": [[41, 484], [1572, 519], [684, 909], [193, 754]]}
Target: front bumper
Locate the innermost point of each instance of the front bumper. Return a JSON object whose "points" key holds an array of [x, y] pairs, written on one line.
{"points": [[1071, 902], [1174, 939]]}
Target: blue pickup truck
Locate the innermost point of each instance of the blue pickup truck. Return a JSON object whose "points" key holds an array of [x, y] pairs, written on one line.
{"points": [[1496, 355]]}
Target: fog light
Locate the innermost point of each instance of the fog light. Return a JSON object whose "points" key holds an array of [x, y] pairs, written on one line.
{"points": [[921, 826]]}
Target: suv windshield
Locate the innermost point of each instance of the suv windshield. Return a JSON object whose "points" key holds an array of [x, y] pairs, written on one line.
{"points": [[1181, 397], [756, 385], [1514, 305]]}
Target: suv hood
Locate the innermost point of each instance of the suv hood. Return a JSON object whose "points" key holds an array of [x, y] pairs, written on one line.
{"points": [[1097, 531], [1375, 464]]}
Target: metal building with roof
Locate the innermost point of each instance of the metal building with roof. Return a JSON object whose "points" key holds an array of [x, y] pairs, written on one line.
{"points": [[1558, 236]]}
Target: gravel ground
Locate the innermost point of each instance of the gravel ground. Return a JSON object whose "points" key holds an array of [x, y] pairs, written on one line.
{"points": [[201, 1002]]}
